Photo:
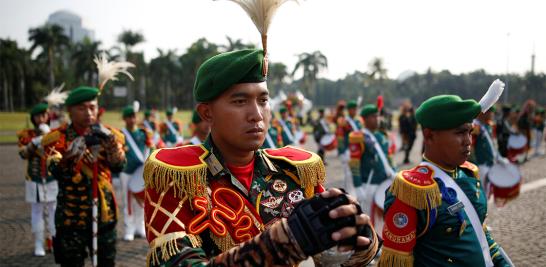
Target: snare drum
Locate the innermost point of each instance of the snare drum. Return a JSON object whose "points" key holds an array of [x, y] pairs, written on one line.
{"points": [[517, 144], [505, 182], [136, 184], [328, 142], [377, 207], [300, 137]]}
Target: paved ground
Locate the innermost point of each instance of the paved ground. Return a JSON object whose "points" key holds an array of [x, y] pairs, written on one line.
{"points": [[518, 227]]}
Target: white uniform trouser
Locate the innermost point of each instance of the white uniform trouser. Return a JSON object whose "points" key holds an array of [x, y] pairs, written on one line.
{"points": [[133, 213], [347, 175], [365, 195], [37, 217], [537, 140]]}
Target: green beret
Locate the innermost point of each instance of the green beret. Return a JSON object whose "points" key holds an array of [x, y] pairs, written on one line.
{"points": [[81, 94], [351, 104], [368, 110], [38, 108], [446, 112], [540, 110], [195, 118], [283, 110], [321, 110], [222, 71], [127, 112], [169, 112], [147, 113]]}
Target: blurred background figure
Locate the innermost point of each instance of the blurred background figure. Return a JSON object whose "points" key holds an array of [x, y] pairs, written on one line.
{"points": [[408, 129]]}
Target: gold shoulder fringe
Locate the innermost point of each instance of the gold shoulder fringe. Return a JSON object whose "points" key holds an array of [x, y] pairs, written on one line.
{"points": [[51, 137], [390, 257], [224, 243], [187, 181], [168, 247], [417, 196], [471, 167], [120, 137], [356, 137]]}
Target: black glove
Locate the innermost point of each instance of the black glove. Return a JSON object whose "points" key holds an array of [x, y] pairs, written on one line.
{"points": [[312, 226], [100, 131]]}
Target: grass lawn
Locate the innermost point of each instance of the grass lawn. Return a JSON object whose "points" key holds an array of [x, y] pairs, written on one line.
{"points": [[11, 122]]}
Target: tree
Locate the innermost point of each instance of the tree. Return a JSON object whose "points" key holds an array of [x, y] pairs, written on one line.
{"points": [[311, 64], [164, 71], [276, 76], [84, 67], [236, 45], [377, 69], [129, 39], [51, 38]]}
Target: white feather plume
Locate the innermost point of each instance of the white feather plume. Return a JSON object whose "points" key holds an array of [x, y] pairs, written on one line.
{"points": [[56, 97], [261, 12], [136, 106], [109, 70], [492, 95], [175, 109]]}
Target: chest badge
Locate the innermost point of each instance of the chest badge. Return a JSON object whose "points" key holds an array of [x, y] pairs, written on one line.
{"points": [[295, 196], [280, 186], [272, 202]]}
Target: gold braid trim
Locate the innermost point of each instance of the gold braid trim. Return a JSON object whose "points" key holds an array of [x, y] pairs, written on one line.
{"points": [[417, 196], [51, 137], [394, 258], [168, 246], [188, 181], [224, 243]]}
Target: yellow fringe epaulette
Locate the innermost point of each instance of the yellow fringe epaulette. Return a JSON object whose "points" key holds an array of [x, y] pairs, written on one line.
{"points": [[417, 188], [120, 137], [168, 246], [309, 166], [393, 258], [25, 133], [51, 138], [356, 148], [184, 166], [471, 167]]}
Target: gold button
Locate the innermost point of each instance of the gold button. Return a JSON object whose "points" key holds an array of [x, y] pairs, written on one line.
{"points": [[478, 184], [449, 260], [477, 194], [449, 230]]}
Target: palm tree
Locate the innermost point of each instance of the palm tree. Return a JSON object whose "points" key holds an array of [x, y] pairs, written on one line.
{"points": [[236, 45], [82, 57], [164, 69], [14, 66], [311, 64], [276, 76], [51, 38], [129, 39], [377, 69]]}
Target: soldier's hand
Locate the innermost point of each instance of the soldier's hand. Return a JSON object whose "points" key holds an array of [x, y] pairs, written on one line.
{"points": [[75, 150], [351, 236], [101, 131]]}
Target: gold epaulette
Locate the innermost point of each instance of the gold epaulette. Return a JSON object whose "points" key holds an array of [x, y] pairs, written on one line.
{"points": [[51, 138], [309, 166], [25, 133], [417, 188], [184, 167], [467, 165], [120, 137]]}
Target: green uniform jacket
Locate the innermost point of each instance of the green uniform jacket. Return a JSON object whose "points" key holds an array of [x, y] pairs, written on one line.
{"points": [[143, 141], [482, 154], [370, 161], [419, 230]]}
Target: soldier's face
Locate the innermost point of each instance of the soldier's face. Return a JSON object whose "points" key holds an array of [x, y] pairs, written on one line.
{"points": [[451, 147], [40, 118], [130, 121], [239, 118], [84, 114], [372, 121]]}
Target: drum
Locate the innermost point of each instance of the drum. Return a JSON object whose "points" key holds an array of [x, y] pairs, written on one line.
{"points": [[136, 184], [505, 182], [377, 207], [328, 142], [517, 144]]}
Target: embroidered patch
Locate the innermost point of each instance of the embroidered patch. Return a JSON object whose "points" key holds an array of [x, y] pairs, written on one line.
{"points": [[295, 196], [272, 202], [423, 170], [400, 220], [287, 209], [280, 186]]}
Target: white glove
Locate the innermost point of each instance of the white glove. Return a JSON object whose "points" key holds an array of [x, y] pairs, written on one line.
{"points": [[37, 141], [44, 128]]}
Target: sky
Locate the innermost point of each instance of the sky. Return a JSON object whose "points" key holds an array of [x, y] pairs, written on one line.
{"points": [[495, 35]]}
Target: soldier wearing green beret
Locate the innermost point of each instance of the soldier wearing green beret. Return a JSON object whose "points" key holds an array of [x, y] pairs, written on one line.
{"points": [[40, 188], [149, 122], [274, 136], [288, 125], [171, 130], [79, 155], [138, 144], [435, 212], [370, 163], [200, 128], [255, 189]]}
